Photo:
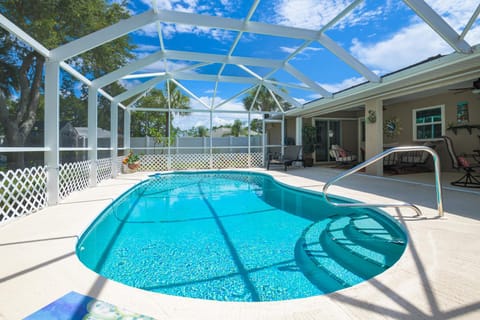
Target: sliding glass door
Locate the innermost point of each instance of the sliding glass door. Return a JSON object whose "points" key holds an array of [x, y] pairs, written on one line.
{"points": [[328, 133]]}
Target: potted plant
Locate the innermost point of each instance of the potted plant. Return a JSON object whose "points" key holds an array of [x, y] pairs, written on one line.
{"points": [[132, 161], [309, 138]]}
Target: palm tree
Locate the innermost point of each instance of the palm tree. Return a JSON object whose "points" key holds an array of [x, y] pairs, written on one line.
{"points": [[177, 101], [236, 128], [264, 101]]}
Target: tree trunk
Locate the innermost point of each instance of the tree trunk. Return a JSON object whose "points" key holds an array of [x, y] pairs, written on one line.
{"points": [[18, 123]]}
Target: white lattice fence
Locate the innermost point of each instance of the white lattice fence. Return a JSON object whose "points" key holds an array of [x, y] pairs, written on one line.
{"points": [[159, 162], [190, 161], [104, 168], [22, 192], [153, 162], [257, 160], [230, 160], [74, 176]]}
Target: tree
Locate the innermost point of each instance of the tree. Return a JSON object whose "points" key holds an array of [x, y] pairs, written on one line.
{"points": [[264, 101], [236, 128], [52, 23], [177, 101], [202, 131], [256, 125], [158, 124]]}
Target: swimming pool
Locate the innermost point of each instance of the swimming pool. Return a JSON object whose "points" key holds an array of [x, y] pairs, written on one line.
{"points": [[235, 236]]}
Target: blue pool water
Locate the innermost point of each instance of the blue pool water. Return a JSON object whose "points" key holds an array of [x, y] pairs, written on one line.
{"points": [[234, 236]]}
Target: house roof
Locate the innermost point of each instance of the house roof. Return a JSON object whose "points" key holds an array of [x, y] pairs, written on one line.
{"points": [[101, 133]]}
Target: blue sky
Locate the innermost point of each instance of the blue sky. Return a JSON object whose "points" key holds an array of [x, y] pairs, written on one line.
{"points": [[385, 35]]}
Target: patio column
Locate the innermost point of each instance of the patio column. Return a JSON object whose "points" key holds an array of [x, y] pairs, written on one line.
{"points": [[126, 129], [51, 134], [264, 142], [114, 137], [249, 137], [374, 134], [298, 130], [92, 134], [282, 126]]}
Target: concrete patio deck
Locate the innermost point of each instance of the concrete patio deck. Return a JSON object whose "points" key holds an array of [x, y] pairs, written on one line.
{"points": [[436, 278]]}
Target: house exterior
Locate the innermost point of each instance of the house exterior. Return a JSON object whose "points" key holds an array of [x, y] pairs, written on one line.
{"points": [[416, 105]]}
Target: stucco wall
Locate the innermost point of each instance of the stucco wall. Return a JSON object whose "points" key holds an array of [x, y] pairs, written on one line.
{"points": [[463, 141], [350, 135]]}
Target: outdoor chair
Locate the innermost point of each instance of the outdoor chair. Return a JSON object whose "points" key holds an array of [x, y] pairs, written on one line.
{"points": [[341, 155], [468, 180], [416, 159], [292, 154]]}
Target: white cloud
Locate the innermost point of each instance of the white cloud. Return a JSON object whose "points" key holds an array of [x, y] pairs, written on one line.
{"points": [[203, 118], [145, 49], [417, 41], [149, 30], [190, 6], [314, 14], [130, 83], [344, 84], [408, 46], [457, 13], [305, 51]]}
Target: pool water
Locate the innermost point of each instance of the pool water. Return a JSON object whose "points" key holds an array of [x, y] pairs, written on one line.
{"points": [[234, 236]]}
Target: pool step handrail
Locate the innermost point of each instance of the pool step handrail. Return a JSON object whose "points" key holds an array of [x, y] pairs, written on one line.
{"points": [[380, 156]]}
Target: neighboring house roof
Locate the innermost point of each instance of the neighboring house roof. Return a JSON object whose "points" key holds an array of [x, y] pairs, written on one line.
{"points": [[220, 132], [101, 133]]}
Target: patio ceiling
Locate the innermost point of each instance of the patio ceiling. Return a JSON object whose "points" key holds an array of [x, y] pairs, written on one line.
{"points": [[281, 70]]}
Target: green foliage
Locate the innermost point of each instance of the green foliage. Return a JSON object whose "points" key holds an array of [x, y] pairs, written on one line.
{"points": [[309, 138], [264, 101], [131, 158], [236, 128], [53, 23], [256, 125], [202, 131], [158, 124]]}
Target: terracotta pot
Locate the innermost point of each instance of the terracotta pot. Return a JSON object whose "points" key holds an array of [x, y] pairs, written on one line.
{"points": [[133, 166]]}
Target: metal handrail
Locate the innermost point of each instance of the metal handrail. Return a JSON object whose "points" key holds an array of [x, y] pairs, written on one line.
{"points": [[438, 186]]}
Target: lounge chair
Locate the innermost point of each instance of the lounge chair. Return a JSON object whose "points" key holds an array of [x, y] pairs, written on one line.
{"points": [[292, 154], [341, 155], [468, 180], [416, 159]]}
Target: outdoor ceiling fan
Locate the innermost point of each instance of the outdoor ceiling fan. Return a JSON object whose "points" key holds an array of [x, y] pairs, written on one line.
{"points": [[475, 88]]}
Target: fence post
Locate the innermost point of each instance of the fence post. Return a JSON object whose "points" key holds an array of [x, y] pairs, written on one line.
{"points": [[52, 106]]}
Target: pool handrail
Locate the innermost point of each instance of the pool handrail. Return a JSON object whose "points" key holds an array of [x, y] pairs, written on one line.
{"points": [[438, 186]]}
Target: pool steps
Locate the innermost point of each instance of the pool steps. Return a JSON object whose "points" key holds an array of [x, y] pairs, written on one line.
{"points": [[343, 250], [323, 271]]}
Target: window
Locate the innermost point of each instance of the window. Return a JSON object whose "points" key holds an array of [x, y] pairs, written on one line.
{"points": [[428, 123]]}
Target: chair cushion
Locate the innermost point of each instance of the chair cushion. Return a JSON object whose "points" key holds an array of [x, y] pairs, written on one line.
{"points": [[347, 158], [463, 162], [339, 150]]}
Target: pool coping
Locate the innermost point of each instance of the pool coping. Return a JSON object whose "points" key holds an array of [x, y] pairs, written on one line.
{"points": [[433, 279]]}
